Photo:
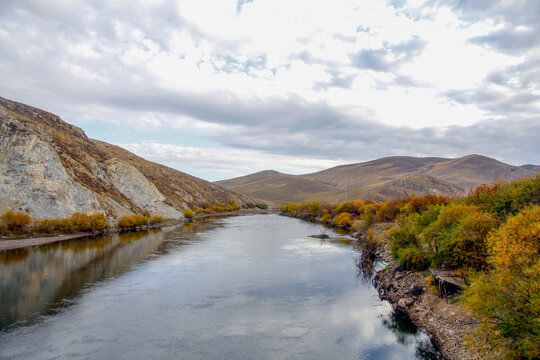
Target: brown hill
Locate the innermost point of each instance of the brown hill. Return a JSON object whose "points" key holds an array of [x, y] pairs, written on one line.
{"points": [[274, 186], [382, 179], [52, 169], [404, 187]]}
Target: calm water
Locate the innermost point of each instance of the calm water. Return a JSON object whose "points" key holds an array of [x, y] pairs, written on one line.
{"points": [[250, 287]]}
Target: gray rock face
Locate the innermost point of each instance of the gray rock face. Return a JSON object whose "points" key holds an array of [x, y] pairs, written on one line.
{"points": [[131, 183], [33, 179]]}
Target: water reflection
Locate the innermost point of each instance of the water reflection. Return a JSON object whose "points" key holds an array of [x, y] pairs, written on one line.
{"points": [[407, 333], [41, 280], [245, 287]]}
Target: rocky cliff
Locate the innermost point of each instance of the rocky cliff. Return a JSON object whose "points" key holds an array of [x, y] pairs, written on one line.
{"points": [[51, 169]]}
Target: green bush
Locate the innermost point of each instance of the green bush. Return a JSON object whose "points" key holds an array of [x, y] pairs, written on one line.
{"points": [[401, 239], [413, 259], [504, 199]]}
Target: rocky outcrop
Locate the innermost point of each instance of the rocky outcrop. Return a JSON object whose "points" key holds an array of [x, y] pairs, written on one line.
{"points": [[50, 169], [448, 324]]}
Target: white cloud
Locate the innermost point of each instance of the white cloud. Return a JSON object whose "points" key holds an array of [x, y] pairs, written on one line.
{"points": [[222, 163], [281, 77]]}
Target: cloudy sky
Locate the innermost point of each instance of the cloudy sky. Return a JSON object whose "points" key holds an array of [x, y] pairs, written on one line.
{"points": [[222, 88]]}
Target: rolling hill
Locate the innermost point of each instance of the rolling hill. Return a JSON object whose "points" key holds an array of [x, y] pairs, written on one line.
{"points": [[380, 180], [50, 169]]}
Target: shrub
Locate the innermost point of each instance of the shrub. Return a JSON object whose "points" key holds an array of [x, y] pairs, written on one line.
{"points": [[98, 221], [343, 220], [80, 222], [132, 220], [421, 204], [157, 219], [413, 259], [15, 221], [458, 236], [197, 210], [387, 211], [401, 239], [504, 199], [189, 214]]}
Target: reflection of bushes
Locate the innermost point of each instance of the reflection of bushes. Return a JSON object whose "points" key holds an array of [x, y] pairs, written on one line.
{"points": [[132, 236], [13, 256]]}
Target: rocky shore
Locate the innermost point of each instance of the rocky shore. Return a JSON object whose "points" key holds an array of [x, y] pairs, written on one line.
{"points": [[447, 324]]}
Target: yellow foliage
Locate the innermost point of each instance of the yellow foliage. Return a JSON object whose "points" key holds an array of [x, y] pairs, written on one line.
{"points": [[189, 214], [343, 220], [156, 219], [132, 220], [15, 221], [507, 299]]}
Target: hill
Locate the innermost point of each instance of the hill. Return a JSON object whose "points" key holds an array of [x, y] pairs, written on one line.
{"points": [[380, 180], [51, 169]]}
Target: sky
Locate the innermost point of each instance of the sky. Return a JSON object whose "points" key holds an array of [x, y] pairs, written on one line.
{"points": [[224, 88]]}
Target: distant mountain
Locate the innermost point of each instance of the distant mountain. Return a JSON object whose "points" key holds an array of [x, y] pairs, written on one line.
{"points": [[274, 186], [50, 168], [380, 180]]}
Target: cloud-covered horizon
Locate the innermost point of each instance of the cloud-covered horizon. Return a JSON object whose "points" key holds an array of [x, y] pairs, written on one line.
{"points": [[224, 88]]}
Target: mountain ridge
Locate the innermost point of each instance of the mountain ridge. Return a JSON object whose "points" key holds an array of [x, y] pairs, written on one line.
{"points": [[384, 179]]}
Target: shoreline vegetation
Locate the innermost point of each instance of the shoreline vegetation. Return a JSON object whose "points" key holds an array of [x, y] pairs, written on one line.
{"points": [[488, 242], [18, 230]]}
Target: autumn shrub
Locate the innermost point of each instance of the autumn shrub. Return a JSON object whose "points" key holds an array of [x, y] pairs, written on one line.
{"points": [[197, 210], [457, 237], [189, 214], [157, 219], [343, 220], [504, 199], [369, 215], [98, 221], [421, 204], [413, 259], [80, 222], [401, 239], [15, 221], [387, 211], [132, 220], [507, 297], [326, 218]]}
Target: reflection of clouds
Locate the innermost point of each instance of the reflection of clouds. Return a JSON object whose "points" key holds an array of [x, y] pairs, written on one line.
{"points": [[311, 247]]}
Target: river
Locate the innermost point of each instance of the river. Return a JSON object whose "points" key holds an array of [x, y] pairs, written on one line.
{"points": [[246, 287]]}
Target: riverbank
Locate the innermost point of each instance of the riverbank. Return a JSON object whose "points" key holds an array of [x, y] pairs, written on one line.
{"points": [[449, 325], [15, 244]]}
